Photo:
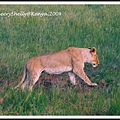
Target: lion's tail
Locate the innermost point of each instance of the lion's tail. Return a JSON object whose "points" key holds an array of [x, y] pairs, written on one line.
{"points": [[24, 76]]}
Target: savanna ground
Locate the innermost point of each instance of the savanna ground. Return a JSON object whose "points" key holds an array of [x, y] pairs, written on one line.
{"points": [[22, 37]]}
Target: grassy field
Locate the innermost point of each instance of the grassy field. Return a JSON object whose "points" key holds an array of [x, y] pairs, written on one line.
{"points": [[22, 37]]}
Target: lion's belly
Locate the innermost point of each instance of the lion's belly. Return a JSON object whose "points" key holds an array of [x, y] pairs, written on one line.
{"points": [[58, 70]]}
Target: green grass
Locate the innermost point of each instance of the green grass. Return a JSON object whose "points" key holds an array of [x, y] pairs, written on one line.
{"points": [[78, 25]]}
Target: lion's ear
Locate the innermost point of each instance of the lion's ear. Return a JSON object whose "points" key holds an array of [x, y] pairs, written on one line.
{"points": [[93, 50]]}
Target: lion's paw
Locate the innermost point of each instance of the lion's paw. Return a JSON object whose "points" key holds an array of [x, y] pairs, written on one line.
{"points": [[94, 84]]}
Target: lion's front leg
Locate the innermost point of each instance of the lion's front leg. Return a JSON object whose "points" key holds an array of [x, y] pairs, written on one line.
{"points": [[83, 76], [72, 78]]}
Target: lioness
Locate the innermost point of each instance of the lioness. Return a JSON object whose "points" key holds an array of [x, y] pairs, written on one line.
{"points": [[70, 60]]}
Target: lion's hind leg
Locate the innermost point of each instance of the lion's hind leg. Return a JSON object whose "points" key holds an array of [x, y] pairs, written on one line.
{"points": [[34, 77]]}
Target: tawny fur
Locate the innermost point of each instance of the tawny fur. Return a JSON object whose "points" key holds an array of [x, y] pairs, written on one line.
{"points": [[70, 60]]}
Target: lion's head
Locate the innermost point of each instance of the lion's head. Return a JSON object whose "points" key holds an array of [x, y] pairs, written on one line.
{"points": [[93, 58]]}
